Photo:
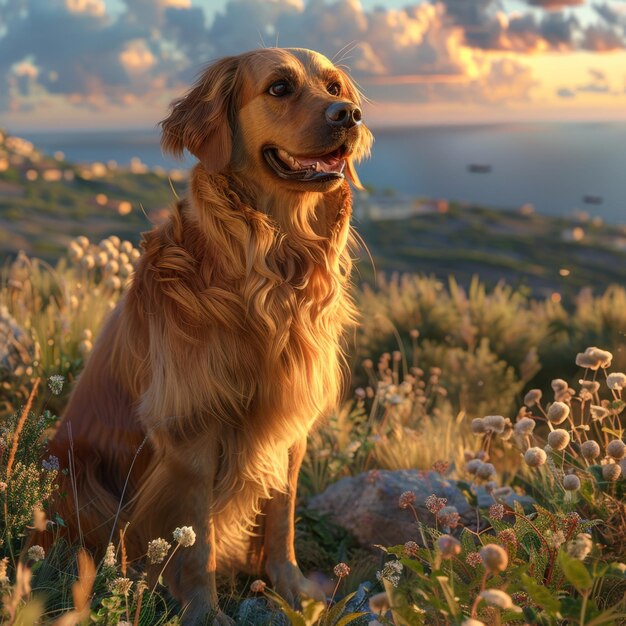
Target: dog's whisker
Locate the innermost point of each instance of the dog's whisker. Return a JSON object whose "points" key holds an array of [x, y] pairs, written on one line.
{"points": [[261, 40], [347, 48]]}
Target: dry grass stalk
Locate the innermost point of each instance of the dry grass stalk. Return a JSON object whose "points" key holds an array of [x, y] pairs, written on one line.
{"points": [[123, 555], [21, 591], [20, 426], [81, 591]]}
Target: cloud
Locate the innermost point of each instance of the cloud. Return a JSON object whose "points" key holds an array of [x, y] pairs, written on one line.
{"points": [[598, 84], [82, 53], [609, 13], [602, 39], [486, 26], [555, 4], [431, 50], [566, 92]]}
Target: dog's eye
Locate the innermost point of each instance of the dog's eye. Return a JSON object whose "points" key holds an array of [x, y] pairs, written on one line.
{"points": [[334, 89], [279, 88]]}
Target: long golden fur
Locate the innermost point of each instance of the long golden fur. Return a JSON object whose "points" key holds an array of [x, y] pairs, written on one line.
{"points": [[194, 407]]}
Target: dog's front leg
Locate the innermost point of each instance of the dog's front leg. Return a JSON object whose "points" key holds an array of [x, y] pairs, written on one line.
{"points": [[197, 569], [180, 493], [281, 565]]}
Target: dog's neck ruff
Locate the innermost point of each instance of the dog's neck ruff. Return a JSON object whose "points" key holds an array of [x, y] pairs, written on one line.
{"points": [[228, 279], [254, 305]]}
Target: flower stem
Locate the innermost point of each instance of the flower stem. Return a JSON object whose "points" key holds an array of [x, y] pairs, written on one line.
{"points": [[163, 569]]}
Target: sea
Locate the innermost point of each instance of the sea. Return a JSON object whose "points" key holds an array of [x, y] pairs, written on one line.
{"points": [[561, 169]]}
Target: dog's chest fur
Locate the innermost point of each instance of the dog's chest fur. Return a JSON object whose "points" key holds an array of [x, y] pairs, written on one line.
{"points": [[240, 321], [255, 311]]}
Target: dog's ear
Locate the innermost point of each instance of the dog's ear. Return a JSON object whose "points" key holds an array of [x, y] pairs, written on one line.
{"points": [[367, 139], [202, 119]]}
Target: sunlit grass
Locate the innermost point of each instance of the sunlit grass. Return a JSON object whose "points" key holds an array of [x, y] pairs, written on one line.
{"points": [[430, 363]]}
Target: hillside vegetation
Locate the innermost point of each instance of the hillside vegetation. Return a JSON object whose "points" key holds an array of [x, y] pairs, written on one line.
{"points": [[503, 392]]}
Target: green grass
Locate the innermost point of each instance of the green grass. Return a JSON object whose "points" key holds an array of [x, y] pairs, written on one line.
{"points": [[431, 356]]}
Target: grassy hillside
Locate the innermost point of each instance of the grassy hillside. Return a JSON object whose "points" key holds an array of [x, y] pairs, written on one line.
{"points": [[544, 253], [467, 381], [46, 201]]}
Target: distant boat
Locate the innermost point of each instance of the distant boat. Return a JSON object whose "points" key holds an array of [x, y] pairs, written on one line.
{"points": [[479, 168], [593, 199]]}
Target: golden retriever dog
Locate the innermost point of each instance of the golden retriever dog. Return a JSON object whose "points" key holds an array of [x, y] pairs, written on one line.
{"points": [[194, 407]]}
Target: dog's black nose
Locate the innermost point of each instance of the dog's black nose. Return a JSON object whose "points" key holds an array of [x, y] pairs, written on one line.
{"points": [[343, 114]]}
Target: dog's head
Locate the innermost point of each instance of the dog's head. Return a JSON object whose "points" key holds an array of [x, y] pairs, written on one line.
{"points": [[287, 117]]}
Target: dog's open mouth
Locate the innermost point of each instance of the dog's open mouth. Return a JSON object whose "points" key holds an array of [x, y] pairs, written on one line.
{"points": [[327, 166]]}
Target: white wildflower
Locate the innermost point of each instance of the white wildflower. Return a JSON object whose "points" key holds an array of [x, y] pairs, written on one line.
{"points": [[391, 572], [535, 457], [36, 553], [554, 538], [616, 381], [55, 384], [590, 449], [580, 547], [616, 449], [121, 586], [499, 598], [558, 412], [157, 550], [185, 536], [109, 556]]}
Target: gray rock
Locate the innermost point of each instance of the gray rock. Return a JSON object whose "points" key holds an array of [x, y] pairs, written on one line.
{"points": [[508, 497], [367, 504], [256, 612]]}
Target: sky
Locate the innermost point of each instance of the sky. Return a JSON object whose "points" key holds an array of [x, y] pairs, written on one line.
{"points": [[111, 64]]}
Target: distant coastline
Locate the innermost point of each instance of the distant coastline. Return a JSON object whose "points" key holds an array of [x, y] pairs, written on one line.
{"points": [[551, 166], [46, 201]]}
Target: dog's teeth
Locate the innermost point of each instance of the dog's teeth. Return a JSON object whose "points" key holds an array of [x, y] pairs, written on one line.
{"points": [[316, 166], [288, 159]]}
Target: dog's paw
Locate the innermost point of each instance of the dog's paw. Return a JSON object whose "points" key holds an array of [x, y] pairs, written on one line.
{"points": [[206, 618], [290, 583], [199, 612], [221, 619]]}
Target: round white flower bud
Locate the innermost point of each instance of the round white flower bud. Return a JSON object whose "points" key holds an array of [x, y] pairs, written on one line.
{"points": [[478, 426], [616, 449], [571, 482], [558, 439], [535, 457], [497, 597], [472, 466], [559, 385], [494, 423], [616, 381], [448, 546], [558, 412], [611, 471], [485, 471], [524, 426], [590, 449], [495, 558], [532, 397]]}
